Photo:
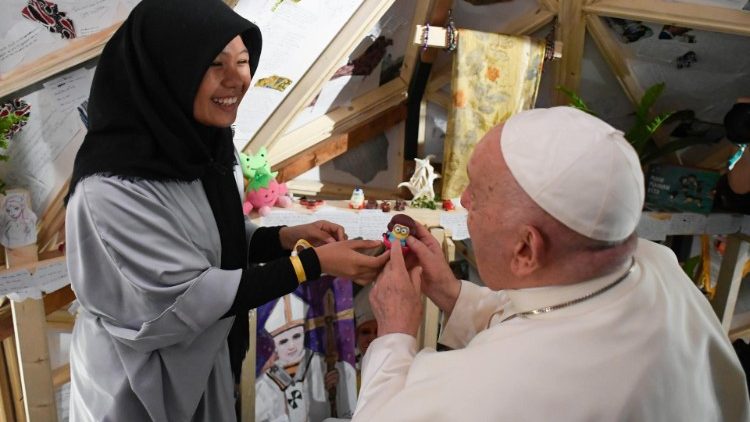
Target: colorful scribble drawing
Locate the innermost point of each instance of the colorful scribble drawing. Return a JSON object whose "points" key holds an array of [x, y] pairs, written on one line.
{"points": [[367, 61], [278, 3], [13, 116], [279, 83], [47, 14]]}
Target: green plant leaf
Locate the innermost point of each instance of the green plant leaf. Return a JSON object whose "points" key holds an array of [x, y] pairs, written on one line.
{"points": [[575, 100], [648, 100]]}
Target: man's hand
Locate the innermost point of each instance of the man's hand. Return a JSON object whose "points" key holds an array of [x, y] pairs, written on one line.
{"points": [[317, 233], [438, 281], [343, 259], [396, 298], [331, 379]]}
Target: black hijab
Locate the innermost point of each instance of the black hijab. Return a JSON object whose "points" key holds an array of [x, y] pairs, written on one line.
{"points": [[141, 115]]}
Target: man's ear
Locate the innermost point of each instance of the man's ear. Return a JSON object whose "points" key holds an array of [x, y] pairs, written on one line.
{"points": [[528, 251]]}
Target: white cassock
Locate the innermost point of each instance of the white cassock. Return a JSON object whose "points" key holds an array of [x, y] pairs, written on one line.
{"points": [[649, 349], [281, 398]]}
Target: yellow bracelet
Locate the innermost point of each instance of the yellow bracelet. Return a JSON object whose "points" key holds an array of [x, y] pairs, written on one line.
{"points": [[299, 269]]}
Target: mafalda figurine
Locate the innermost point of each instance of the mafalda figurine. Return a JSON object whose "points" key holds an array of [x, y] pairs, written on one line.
{"points": [[399, 228]]}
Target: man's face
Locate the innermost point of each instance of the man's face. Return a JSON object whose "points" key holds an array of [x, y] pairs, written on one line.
{"points": [[366, 333], [487, 201], [290, 345]]}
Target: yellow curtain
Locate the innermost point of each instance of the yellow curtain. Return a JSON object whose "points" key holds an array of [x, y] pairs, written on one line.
{"points": [[494, 76]]}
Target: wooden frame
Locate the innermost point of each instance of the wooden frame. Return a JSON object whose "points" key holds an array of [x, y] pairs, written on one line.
{"points": [[320, 72], [695, 16], [76, 52]]}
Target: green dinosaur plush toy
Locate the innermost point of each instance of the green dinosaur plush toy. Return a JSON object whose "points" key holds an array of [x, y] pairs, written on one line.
{"points": [[256, 168]]}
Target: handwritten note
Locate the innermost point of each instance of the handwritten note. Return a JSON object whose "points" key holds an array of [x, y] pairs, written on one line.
{"points": [[349, 220], [24, 283], [285, 218], [455, 221]]}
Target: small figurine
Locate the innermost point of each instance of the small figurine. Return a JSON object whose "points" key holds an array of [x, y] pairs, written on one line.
{"points": [[385, 206], [400, 205], [263, 198], [448, 205], [398, 230], [357, 201], [420, 184], [310, 204], [372, 204], [686, 59]]}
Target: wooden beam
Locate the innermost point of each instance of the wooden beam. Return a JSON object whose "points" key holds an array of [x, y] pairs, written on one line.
{"points": [[52, 302], [247, 385], [362, 21], [77, 51], [421, 9], [439, 78], [572, 32], [730, 278], [438, 17], [338, 144], [336, 190], [7, 411], [14, 375], [530, 22], [340, 120], [30, 328], [61, 375], [550, 5], [53, 219], [616, 56], [440, 98], [709, 18]]}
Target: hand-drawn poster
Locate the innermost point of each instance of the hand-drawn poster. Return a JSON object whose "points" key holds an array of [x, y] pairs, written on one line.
{"points": [[29, 29], [294, 35], [305, 354]]}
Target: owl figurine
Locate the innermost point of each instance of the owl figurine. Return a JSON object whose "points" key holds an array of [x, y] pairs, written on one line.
{"points": [[399, 228]]}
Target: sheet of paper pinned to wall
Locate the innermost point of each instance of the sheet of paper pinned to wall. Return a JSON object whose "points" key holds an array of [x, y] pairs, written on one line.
{"points": [[23, 40], [455, 221], [24, 283], [41, 154], [294, 34]]}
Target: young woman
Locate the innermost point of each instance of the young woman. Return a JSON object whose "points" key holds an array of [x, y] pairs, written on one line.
{"points": [[159, 253]]}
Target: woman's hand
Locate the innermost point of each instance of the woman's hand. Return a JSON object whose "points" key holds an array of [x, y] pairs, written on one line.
{"points": [[343, 259], [317, 233]]}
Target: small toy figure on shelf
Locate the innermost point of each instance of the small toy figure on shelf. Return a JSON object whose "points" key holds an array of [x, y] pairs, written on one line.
{"points": [[357, 201], [400, 205], [310, 204], [385, 206], [398, 230], [448, 205], [420, 183], [371, 204], [262, 191]]}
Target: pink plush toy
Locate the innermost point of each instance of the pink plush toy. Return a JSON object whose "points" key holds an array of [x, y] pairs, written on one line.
{"points": [[263, 199]]}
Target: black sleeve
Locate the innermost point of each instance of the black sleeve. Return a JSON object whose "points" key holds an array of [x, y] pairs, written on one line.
{"points": [[261, 284], [265, 245]]}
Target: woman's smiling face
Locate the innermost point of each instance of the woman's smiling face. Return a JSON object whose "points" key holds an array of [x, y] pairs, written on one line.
{"points": [[224, 84]]}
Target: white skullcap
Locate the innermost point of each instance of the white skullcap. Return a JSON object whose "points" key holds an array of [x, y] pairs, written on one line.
{"points": [[288, 312], [362, 309], [577, 168]]}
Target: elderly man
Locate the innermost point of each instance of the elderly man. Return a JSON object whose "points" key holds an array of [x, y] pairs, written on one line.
{"points": [[580, 319]]}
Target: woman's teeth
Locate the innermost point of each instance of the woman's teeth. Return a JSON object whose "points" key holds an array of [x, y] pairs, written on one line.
{"points": [[225, 101]]}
